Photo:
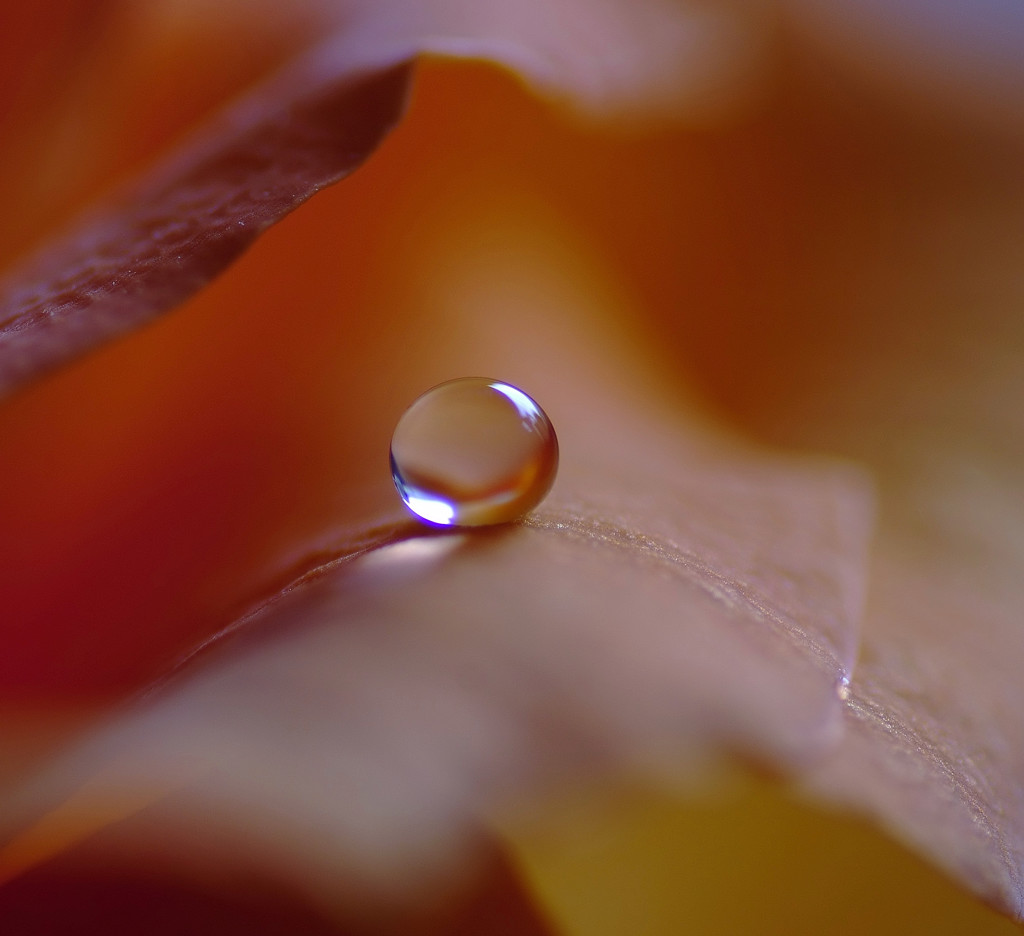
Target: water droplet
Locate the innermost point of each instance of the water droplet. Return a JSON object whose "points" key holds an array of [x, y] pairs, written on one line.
{"points": [[473, 452]]}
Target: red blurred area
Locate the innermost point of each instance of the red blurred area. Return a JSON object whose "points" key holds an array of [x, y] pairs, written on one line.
{"points": [[51, 903], [78, 894]]}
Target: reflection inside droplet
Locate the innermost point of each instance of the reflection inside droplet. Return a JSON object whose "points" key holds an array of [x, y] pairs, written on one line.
{"points": [[473, 452]]}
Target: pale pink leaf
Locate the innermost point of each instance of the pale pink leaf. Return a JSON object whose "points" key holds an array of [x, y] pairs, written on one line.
{"points": [[659, 613]]}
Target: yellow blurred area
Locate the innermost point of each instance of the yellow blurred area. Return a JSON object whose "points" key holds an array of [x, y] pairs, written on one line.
{"points": [[749, 859]]}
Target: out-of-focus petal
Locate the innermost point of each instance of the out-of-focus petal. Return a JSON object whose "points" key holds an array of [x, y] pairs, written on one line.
{"points": [[651, 58], [170, 235], [943, 56]]}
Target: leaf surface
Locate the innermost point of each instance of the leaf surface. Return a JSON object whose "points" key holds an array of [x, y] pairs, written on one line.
{"points": [[397, 702]]}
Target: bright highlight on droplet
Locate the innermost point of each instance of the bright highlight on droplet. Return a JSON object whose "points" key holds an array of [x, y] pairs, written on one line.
{"points": [[473, 452], [432, 509]]}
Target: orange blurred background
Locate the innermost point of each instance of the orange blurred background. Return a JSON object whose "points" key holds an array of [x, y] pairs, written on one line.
{"points": [[151, 492]]}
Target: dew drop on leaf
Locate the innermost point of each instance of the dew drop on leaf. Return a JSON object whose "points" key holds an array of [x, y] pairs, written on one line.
{"points": [[473, 452]]}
